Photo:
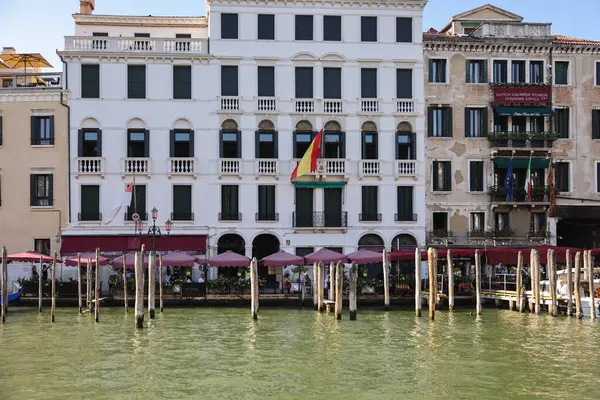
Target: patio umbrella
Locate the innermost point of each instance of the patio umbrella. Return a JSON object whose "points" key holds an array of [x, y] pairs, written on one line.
{"points": [[364, 256], [72, 261], [227, 259], [3, 64], [129, 261], [325, 255], [177, 259], [27, 60], [282, 259], [30, 257]]}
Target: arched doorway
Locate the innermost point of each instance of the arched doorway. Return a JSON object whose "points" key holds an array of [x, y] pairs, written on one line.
{"points": [[235, 243], [372, 271], [404, 242], [371, 242], [403, 272], [264, 245]]}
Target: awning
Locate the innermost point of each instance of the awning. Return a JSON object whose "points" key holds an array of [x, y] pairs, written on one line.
{"points": [[315, 185], [121, 244], [524, 111], [536, 163]]}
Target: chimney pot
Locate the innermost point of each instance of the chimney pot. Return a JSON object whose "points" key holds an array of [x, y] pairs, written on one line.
{"points": [[86, 6]]}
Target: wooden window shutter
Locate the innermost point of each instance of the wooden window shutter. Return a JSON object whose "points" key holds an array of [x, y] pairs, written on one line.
{"points": [[596, 122], [434, 175], [172, 143], [99, 143], [146, 143], [80, 136], [192, 141]]}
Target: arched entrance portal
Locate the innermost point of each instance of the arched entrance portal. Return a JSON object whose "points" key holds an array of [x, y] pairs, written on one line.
{"points": [[371, 242], [404, 242], [232, 242], [403, 272], [264, 245]]}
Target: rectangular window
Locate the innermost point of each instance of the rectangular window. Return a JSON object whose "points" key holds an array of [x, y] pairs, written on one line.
{"points": [[404, 83], [304, 27], [332, 204], [406, 146], [518, 71], [181, 143], [182, 82], [404, 203], [42, 246], [500, 123], [138, 143], [332, 28], [302, 141], [595, 124], [368, 83], [500, 71], [100, 34], [42, 131], [368, 29], [441, 176], [597, 80], [182, 45], [538, 223], [138, 203], [536, 124], [476, 176], [90, 81], [561, 72], [332, 83], [304, 82], [439, 121], [229, 80], [519, 124], [182, 203], [41, 188], [369, 147], [230, 203], [89, 143], [440, 223], [536, 72], [231, 144], [90, 203], [141, 35], [437, 71], [229, 26], [561, 122], [501, 222], [478, 222], [266, 203], [266, 144], [476, 71], [369, 204], [304, 251], [136, 81], [334, 145], [476, 122], [404, 28], [266, 27], [561, 176], [266, 81], [304, 207]]}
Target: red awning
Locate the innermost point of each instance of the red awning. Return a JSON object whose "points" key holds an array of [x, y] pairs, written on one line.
{"points": [[406, 255], [506, 255], [120, 244]]}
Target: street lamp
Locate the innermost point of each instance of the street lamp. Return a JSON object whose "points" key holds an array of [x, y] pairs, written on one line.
{"points": [[154, 230]]}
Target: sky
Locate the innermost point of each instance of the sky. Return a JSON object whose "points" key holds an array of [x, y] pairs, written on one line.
{"points": [[39, 26]]}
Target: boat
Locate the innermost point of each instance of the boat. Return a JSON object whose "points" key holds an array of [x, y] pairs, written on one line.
{"points": [[12, 296]]}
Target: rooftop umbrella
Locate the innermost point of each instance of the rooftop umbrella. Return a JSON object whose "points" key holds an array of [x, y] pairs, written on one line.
{"points": [[3, 64], [365, 256], [72, 261], [281, 259], [29, 60], [129, 261], [177, 259], [228, 259], [325, 255]]}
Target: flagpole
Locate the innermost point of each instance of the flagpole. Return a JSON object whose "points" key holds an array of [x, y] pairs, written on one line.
{"points": [[134, 203]]}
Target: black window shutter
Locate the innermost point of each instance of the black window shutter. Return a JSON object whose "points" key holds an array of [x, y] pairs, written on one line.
{"points": [[229, 26], [598, 178], [342, 144], [192, 151], [596, 121], [467, 122], [172, 143], [304, 82], [332, 83], [266, 27], [473, 176], [403, 30], [365, 200], [229, 80], [434, 175], [146, 143], [33, 130], [80, 143], [431, 71], [275, 145], [266, 81], [598, 73], [448, 121], [257, 144], [565, 127], [238, 141], [99, 144], [484, 122], [52, 129], [413, 146], [221, 144], [404, 83], [447, 176], [485, 71], [234, 199], [182, 82], [467, 70], [90, 81], [430, 121], [332, 28], [368, 83], [32, 191], [50, 190]]}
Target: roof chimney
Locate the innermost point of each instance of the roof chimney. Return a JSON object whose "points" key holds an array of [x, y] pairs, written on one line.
{"points": [[8, 50], [86, 6]]}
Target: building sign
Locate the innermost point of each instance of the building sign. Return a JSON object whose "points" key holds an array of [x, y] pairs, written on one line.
{"points": [[530, 96]]}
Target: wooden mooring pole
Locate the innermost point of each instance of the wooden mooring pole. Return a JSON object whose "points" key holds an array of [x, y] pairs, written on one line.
{"points": [[534, 261], [386, 280], [151, 284], [4, 284], [125, 283], [431, 263], [53, 307], [160, 283], [253, 288], [418, 282], [139, 288], [477, 282], [88, 285], [315, 287], [339, 286], [551, 269], [569, 284], [519, 282], [578, 311], [590, 266], [97, 288], [79, 295], [450, 265], [352, 291], [40, 284], [332, 281], [321, 284]]}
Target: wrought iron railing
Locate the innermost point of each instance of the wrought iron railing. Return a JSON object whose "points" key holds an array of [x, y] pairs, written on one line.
{"points": [[519, 195], [266, 217], [230, 216], [543, 140], [320, 219], [369, 217], [182, 216], [89, 216]]}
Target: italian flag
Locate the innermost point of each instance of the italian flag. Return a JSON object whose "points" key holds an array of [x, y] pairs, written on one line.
{"points": [[528, 183], [125, 201], [308, 163]]}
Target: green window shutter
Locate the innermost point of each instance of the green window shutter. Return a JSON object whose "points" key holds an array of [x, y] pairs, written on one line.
{"points": [[146, 143], [256, 144], [596, 123], [33, 130], [50, 190], [467, 70], [32, 191], [276, 145], [434, 175], [430, 70], [447, 176], [80, 142], [467, 122], [192, 151], [413, 146], [448, 121], [430, 121], [484, 122], [485, 71], [172, 143]]}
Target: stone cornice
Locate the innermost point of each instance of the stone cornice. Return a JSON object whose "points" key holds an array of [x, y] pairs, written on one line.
{"points": [[7, 96], [576, 49], [120, 57], [361, 4], [482, 47], [82, 19]]}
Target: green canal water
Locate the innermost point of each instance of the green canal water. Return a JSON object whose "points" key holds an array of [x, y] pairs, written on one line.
{"points": [[221, 353]]}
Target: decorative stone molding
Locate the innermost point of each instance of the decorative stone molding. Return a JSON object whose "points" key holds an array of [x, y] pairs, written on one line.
{"points": [[370, 4], [7, 96], [98, 19]]}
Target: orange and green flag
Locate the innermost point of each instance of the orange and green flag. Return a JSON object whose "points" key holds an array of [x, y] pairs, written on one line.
{"points": [[308, 163]]}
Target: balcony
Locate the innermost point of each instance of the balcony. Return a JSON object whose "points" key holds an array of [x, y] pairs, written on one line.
{"points": [[129, 216], [90, 166], [182, 166], [266, 167], [266, 104], [404, 106], [369, 217], [37, 141], [538, 195], [521, 30], [369, 106], [30, 82], [401, 217], [230, 216], [304, 106], [89, 217], [404, 168], [331, 106], [230, 103], [522, 140], [439, 237], [320, 220], [332, 166], [136, 165], [230, 167], [266, 217], [138, 45], [369, 168], [182, 216]]}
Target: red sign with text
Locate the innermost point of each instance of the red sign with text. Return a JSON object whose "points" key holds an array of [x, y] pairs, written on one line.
{"points": [[516, 96]]}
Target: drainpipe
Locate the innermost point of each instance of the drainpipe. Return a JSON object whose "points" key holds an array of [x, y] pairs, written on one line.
{"points": [[66, 80]]}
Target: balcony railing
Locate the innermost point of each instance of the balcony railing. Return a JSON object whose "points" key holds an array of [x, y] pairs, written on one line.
{"points": [[90, 165], [331, 106], [266, 217], [30, 81], [230, 216], [127, 45], [369, 106], [405, 168], [304, 106], [542, 140], [519, 195], [230, 103], [320, 219], [37, 141], [403, 217], [129, 215], [333, 166], [136, 165], [266, 104], [182, 216], [182, 166], [369, 217], [266, 167], [369, 168], [230, 166], [404, 106], [87, 216]]}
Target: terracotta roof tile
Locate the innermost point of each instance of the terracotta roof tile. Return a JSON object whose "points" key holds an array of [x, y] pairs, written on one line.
{"points": [[441, 37], [559, 39]]}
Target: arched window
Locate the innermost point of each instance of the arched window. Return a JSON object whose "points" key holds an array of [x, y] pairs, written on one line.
{"points": [[89, 139], [369, 141], [266, 145], [404, 242], [138, 139], [406, 142], [371, 242], [334, 141], [303, 136], [181, 139], [231, 140]]}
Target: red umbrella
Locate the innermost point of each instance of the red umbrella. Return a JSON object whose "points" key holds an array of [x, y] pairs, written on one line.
{"points": [[129, 261], [364, 256], [228, 259], [30, 257], [326, 256], [282, 259], [72, 261], [177, 259]]}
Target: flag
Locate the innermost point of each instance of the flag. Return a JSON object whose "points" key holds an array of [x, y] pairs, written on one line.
{"points": [[528, 183], [509, 182], [308, 163], [123, 202], [552, 194]]}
